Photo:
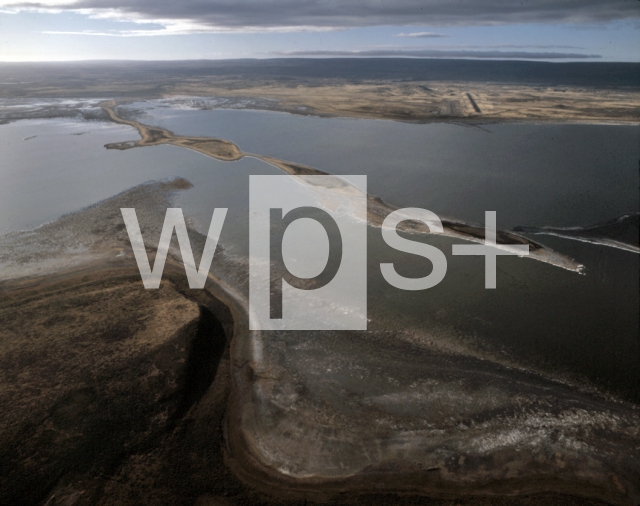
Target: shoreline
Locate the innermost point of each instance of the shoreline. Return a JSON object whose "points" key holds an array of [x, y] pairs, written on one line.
{"points": [[248, 378], [470, 122], [377, 208], [258, 482], [240, 456]]}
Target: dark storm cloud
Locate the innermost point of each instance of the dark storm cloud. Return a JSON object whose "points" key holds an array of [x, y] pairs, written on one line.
{"points": [[231, 14], [436, 53]]}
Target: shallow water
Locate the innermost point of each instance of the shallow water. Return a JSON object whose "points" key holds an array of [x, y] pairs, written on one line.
{"points": [[532, 175], [48, 169], [556, 175]]}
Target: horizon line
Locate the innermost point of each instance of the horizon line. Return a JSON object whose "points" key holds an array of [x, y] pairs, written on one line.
{"points": [[345, 57]]}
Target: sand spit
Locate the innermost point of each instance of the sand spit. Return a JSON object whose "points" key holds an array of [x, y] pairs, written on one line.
{"points": [[110, 404], [378, 209], [152, 136]]}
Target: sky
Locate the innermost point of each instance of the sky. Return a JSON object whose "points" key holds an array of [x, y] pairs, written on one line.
{"points": [[551, 30]]}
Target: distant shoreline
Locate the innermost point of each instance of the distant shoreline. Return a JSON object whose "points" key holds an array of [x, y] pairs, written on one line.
{"points": [[402, 89]]}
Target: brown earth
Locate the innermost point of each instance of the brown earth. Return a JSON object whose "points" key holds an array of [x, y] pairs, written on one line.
{"points": [[116, 395], [425, 101]]}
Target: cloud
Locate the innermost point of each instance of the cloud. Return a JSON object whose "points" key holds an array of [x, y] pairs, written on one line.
{"points": [[121, 33], [438, 53], [473, 47], [181, 28], [293, 15], [42, 4], [422, 35], [519, 46]]}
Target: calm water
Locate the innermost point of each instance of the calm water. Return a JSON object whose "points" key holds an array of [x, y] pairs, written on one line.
{"points": [[562, 175], [558, 175], [58, 172]]}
